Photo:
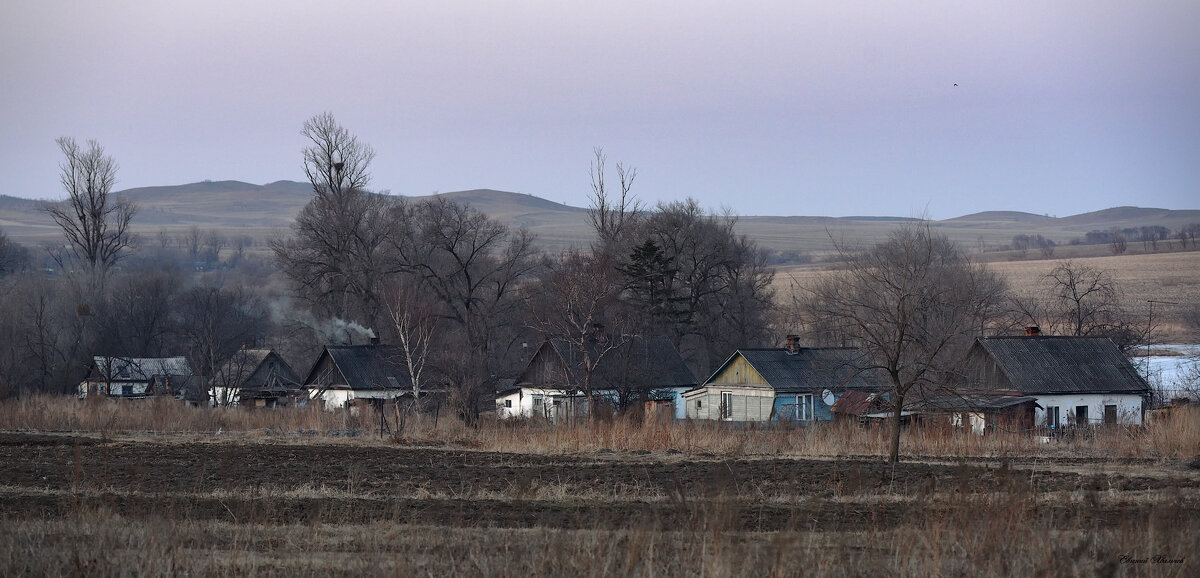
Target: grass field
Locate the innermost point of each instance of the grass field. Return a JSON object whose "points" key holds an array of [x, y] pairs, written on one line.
{"points": [[1169, 277], [160, 489]]}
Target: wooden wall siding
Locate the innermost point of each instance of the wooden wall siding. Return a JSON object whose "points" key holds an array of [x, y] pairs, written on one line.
{"points": [[749, 404], [983, 372], [739, 372]]}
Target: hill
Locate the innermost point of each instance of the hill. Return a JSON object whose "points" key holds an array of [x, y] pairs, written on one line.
{"points": [[262, 210]]}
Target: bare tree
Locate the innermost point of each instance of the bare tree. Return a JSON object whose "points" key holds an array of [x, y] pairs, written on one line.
{"points": [[912, 304], [1082, 301], [95, 224], [472, 266], [13, 256], [334, 255], [577, 305], [413, 316], [613, 213]]}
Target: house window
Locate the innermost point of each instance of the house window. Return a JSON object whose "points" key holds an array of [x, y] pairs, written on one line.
{"points": [[1052, 416], [804, 408], [699, 403], [538, 405], [1110, 414], [1081, 415], [726, 405], [508, 403]]}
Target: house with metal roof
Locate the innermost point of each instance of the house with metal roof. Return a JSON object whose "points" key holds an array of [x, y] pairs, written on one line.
{"points": [[345, 374], [634, 369], [794, 383], [1075, 381], [254, 378], [139, 377]]}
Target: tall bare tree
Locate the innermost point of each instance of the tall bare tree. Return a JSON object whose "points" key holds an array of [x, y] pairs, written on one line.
{"points": [[334, 254], [577, 304], [912, 304], [1080, 300], [613, 214], [96, 224]]}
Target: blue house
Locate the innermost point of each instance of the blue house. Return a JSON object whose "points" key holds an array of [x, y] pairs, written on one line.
{"points": [[794, 383]]}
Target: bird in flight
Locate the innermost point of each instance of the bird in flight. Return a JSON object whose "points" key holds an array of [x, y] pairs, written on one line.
{"points": [[956, 84]]}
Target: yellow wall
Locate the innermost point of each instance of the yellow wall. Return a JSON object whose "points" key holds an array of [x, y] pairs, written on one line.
{"points": [[739, 372]]}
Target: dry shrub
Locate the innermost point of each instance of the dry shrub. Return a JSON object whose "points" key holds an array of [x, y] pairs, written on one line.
{"points": [[1177, 437]]}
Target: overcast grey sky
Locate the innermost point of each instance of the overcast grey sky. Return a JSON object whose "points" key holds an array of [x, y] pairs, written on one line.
{"points": [[781, 107]]}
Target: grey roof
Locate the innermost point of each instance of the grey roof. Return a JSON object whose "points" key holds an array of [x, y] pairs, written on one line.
{"points": [[1049, 365], [653, 358], [367, 366], [138, 368], [972, 402], [812, 369], [244, 364]]}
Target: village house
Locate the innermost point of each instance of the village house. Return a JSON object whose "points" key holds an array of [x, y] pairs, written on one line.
{"points": [[140, 377], [255, 378], [796, 384], [648, 370], [346, 375], [1075, 381]]}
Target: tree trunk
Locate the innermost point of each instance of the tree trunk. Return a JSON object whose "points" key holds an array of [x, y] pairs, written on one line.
{"points": [[894, 457]]}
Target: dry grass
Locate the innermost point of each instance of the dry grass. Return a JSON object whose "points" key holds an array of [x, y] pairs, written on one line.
{"points": [[597, 499], [1178, 437]]}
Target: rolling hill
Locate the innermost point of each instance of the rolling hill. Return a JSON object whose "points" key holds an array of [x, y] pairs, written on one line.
{"points": [[261, 210]]}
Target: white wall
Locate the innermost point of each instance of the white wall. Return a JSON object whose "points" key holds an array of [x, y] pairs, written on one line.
{"points": [[1129, 407], [338, 398]]}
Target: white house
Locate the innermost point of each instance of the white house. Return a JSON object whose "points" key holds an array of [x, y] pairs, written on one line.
{"points": [[345, 375], [646, 369], [1076, 381], [137, 377]]}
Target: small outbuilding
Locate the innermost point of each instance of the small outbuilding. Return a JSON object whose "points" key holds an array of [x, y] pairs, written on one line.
{"points": [[345, 374], [138, 377]]}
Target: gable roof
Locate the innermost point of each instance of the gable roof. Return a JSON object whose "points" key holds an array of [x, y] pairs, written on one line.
{"points": [[1052, 364], [654, 358], [364, 366], [810, 368], [137, 368], [244, 364]]}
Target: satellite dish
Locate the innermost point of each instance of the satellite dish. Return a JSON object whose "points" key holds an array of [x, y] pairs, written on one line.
{"points": [[827, 397]]}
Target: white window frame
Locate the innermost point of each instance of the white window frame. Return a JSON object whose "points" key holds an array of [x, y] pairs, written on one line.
{"points": [[726, 407]]}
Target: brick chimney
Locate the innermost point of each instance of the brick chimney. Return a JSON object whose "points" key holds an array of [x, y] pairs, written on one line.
{"points": [[793, 344], [1033, 331]]}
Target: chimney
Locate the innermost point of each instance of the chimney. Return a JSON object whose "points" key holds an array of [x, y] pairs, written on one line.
{"points": [[1033, 331], [793, 344]]}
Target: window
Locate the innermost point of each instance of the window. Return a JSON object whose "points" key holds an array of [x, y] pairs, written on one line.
{"points": [[1110, 414], [699, 403], [508, 403], [538, 405], [804, 408], [1081, 415], [1052, 416], [726, 405]]}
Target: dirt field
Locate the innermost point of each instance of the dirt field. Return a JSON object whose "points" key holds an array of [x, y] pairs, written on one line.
{"points": [[162, 504]]}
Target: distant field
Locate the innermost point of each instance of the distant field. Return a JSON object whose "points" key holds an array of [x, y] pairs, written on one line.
{"points": [[1173, 277]]}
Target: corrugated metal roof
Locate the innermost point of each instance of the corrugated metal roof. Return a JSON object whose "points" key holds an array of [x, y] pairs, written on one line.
{"points": [[653, 359], [139, 368], [1051, 364], [971, 402], [813, 369], [370, 366]]}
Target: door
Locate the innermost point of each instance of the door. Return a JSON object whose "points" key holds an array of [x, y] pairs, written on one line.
{"points": [[1052, 417], [1110, 414], [1081, 415]]}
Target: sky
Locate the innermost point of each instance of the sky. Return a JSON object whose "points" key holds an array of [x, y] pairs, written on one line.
{"points": [[783, 107]]}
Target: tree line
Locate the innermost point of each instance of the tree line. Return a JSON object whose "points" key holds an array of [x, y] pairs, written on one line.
{"points": [[460, 297]]}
